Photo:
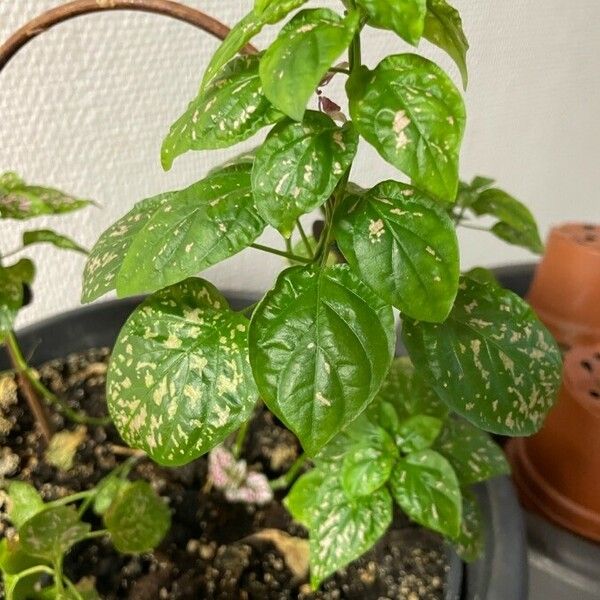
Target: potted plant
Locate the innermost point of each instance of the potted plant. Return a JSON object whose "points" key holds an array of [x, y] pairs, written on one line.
{"points": [[375, 440]]}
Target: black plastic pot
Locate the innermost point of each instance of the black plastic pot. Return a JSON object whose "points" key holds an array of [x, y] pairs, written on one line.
{"points": [[501, 573]]}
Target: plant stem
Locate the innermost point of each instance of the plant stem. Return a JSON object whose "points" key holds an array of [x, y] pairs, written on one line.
{"points": [[58, 576], [39, 388], [475, 227], [73, 588], [36, 407], [287, 478], [304, 237], [339, 70], [95, 534], [72, 498], [240, 438], [250, 308], [287, 255], [10, 589]]}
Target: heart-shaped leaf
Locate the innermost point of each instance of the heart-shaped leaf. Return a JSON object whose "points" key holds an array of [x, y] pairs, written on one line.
{"points": [[300, 500], [516, 223], [107, 490], [173, 236], [24, 501], [443, 27], [299, 166], [367, 467], [21, 201], [404, 246], [51, 532], [298, 59], [411, 112], [320, 344], [417, 433], [230, 110], [179, 380], [472, 452], [342, 528], [138, 519], [405, 17], [47, 236], [491, 361], [265, 13], [426, 488], [408, 393]]}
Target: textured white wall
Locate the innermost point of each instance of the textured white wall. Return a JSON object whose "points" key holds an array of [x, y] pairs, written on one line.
{"points": [[85, 107]]}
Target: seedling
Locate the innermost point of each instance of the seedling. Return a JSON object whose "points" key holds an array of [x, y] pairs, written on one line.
{"points": [[20, 201], [187, 370], [134, 517]]}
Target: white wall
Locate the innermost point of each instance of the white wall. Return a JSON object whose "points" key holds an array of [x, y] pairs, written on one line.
{"points": [[85, 107]]}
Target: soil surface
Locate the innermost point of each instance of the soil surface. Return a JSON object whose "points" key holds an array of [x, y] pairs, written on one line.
{"points": [[210, 552]]}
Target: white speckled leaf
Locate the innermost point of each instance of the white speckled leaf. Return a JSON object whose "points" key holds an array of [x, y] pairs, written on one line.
{"points": [[188, 231], [105, 258], [263, 14], [321, 343], [297, 60], [405, 17], [21, 201], [301, 497], [137, 519], [12, 279], [24, 501], [298, 167], [404, 246], [179, 380], [417, 433], [426, 488], [409, 110], [50, 533], [443, 27], [229, 111], [47, 236], [342, 528], [471, 451], [469, 543], [491, 361]]}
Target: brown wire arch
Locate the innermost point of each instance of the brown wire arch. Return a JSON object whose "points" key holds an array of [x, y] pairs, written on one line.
{"points": [[64, 12]]}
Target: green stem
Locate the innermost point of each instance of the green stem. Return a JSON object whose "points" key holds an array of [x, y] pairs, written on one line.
{"points": [[72, 498], [10, 589], [287, 255], [304, 237], [288, 478], [240, 438], [58, 576], [24, 369], [339, 70], [250, 308], [73, 588], [96, 534], [475, 227]]}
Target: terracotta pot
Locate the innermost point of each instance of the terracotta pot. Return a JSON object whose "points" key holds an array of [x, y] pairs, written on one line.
{"points": [[557, 471], [566, 287]]}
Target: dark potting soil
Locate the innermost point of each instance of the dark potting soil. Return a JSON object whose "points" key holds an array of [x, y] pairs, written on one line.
{"points": [[210, 551]]}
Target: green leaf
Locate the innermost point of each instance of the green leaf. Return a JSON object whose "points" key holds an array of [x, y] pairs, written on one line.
{"points": [[107, 490], [320, 345], [368, 465], [106, 257], [298, 167], [516, 223], [138, 519], [24, 501], [196, 228], [12, 279], [472, 452], [408, 393], [345, 528], [404, 246], [301, 498], [405, 17], [443, 27], [12, 558], [170, 237], [50, 533], [299, 58], [230, 110], [411, 112], [426, 488], [469, 543], [21, 201], [179, 380], [265, 13], [417, 433], [48, 236], [491, 361]]}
